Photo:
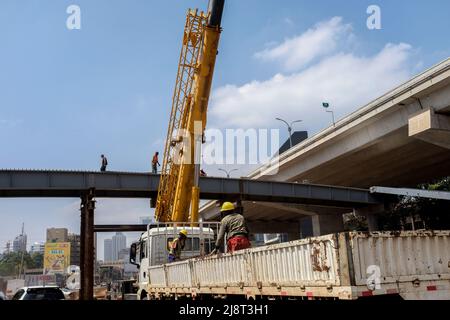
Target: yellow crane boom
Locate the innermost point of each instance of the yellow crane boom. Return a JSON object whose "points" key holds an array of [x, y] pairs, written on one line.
{"points": [[178, 188]]}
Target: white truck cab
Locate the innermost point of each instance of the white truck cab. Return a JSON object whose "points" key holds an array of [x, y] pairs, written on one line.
{"points": [[153, 248]]}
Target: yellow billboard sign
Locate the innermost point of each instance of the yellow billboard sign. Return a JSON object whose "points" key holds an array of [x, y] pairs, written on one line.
{"points": [[56, 257]]}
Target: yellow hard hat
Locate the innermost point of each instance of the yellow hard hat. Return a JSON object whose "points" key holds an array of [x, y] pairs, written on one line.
{"points": [[184, 232], [227, 206]]}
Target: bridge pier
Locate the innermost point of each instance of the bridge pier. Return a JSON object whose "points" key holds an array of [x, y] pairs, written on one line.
{"points": [[327, 224], [87, 246], [371, 213]]}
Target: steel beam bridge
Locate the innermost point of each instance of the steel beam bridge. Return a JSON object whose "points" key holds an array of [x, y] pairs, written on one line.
{"points": [[89, 186], [35, 183]]}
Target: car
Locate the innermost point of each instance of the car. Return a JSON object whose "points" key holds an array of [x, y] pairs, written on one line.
{"points": [[39, 293], [68, 293]]}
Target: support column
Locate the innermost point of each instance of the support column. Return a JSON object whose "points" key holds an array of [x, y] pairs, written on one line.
{"points": [[371, 213], [327, 224], [87, 246], [306, 228]]}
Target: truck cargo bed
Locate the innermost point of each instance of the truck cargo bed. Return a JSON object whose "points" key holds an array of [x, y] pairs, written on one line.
{"points": [[414, 265]]}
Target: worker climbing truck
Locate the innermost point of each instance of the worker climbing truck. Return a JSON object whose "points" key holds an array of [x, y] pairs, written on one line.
{"points": [[154, 245]]}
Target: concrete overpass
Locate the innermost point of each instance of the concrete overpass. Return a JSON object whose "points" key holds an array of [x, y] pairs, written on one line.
{"points": [[398, 140], [401, 139]]}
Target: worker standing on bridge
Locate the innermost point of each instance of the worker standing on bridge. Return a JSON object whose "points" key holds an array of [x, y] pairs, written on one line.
{"points": [[155, 163], [233, 224], [177, 245], [104, 163]]}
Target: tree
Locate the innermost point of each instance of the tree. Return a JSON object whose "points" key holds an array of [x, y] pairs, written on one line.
{"points": [[37, 259], [10, 263], [434, 214]]}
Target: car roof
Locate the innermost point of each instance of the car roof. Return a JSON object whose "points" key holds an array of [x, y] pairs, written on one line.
{"points": [[40, 287]]}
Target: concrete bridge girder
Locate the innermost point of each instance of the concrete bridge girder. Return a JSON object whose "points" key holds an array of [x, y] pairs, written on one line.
{"points": [[431, 127]]}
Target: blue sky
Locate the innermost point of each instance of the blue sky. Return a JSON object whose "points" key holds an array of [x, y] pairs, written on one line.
{"points": [[69, 95]]}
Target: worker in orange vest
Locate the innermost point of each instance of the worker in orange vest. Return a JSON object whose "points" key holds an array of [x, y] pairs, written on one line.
{"points": [[177, 245], [155, 163]]}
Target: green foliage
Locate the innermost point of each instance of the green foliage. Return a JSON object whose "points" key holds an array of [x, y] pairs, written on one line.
{"points": [[435, 214], [10, 263], [353, 222]]}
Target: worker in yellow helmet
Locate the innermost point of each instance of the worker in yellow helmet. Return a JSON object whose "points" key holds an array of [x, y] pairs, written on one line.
{"points": [[233, 224], [177, 245]]}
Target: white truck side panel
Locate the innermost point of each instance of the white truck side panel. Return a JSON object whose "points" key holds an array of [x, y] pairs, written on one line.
{"points": [[179, 275], [228, 269], [303, 262], [157, 276], [402, 257], [307, 262]]}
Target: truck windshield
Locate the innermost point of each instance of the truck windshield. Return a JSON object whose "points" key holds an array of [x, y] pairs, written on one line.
{"points": [[191, 244]]}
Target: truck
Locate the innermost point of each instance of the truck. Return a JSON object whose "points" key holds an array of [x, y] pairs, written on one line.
{"points": [[412, 265], [152, 248]]}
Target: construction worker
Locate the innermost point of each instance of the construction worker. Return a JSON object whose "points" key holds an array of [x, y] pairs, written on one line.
{"points": [[104, 163], [155, 163], [177, 245], [233, 224]]}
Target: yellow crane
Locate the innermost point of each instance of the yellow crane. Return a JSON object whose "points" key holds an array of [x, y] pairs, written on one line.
{"points": [[178, 187]]}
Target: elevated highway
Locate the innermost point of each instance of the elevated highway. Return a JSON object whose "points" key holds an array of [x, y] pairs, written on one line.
{"points": [[401, 139]]}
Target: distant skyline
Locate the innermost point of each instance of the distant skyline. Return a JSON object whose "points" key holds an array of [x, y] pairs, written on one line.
{"points": [[69, 96]]}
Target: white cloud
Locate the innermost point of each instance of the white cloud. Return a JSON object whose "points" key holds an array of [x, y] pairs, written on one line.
{"points": [[345, 79], [316, 42]]}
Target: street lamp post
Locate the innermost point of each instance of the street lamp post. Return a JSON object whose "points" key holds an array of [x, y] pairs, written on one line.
{"points": [[289, 128], [326, 105], [228, 172]]}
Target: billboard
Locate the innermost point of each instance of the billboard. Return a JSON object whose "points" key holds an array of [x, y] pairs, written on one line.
{"points": [[39, 280], [56, 257]]}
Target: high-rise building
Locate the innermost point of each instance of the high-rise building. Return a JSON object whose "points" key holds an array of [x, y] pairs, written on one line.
{"points": [[145, 220], [74, 240], [37, 247], [8, 247], [57, 235], [20, 243], [124, 255], [107, 250], [119, 242]]}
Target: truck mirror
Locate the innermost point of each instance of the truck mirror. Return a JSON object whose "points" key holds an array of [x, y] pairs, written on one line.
{"points": [[133, 255]]}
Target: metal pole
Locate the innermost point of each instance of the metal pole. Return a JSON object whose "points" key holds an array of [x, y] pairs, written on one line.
{"points": [[290, 136], [289, 129], [87, 246], [332, 116]]}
